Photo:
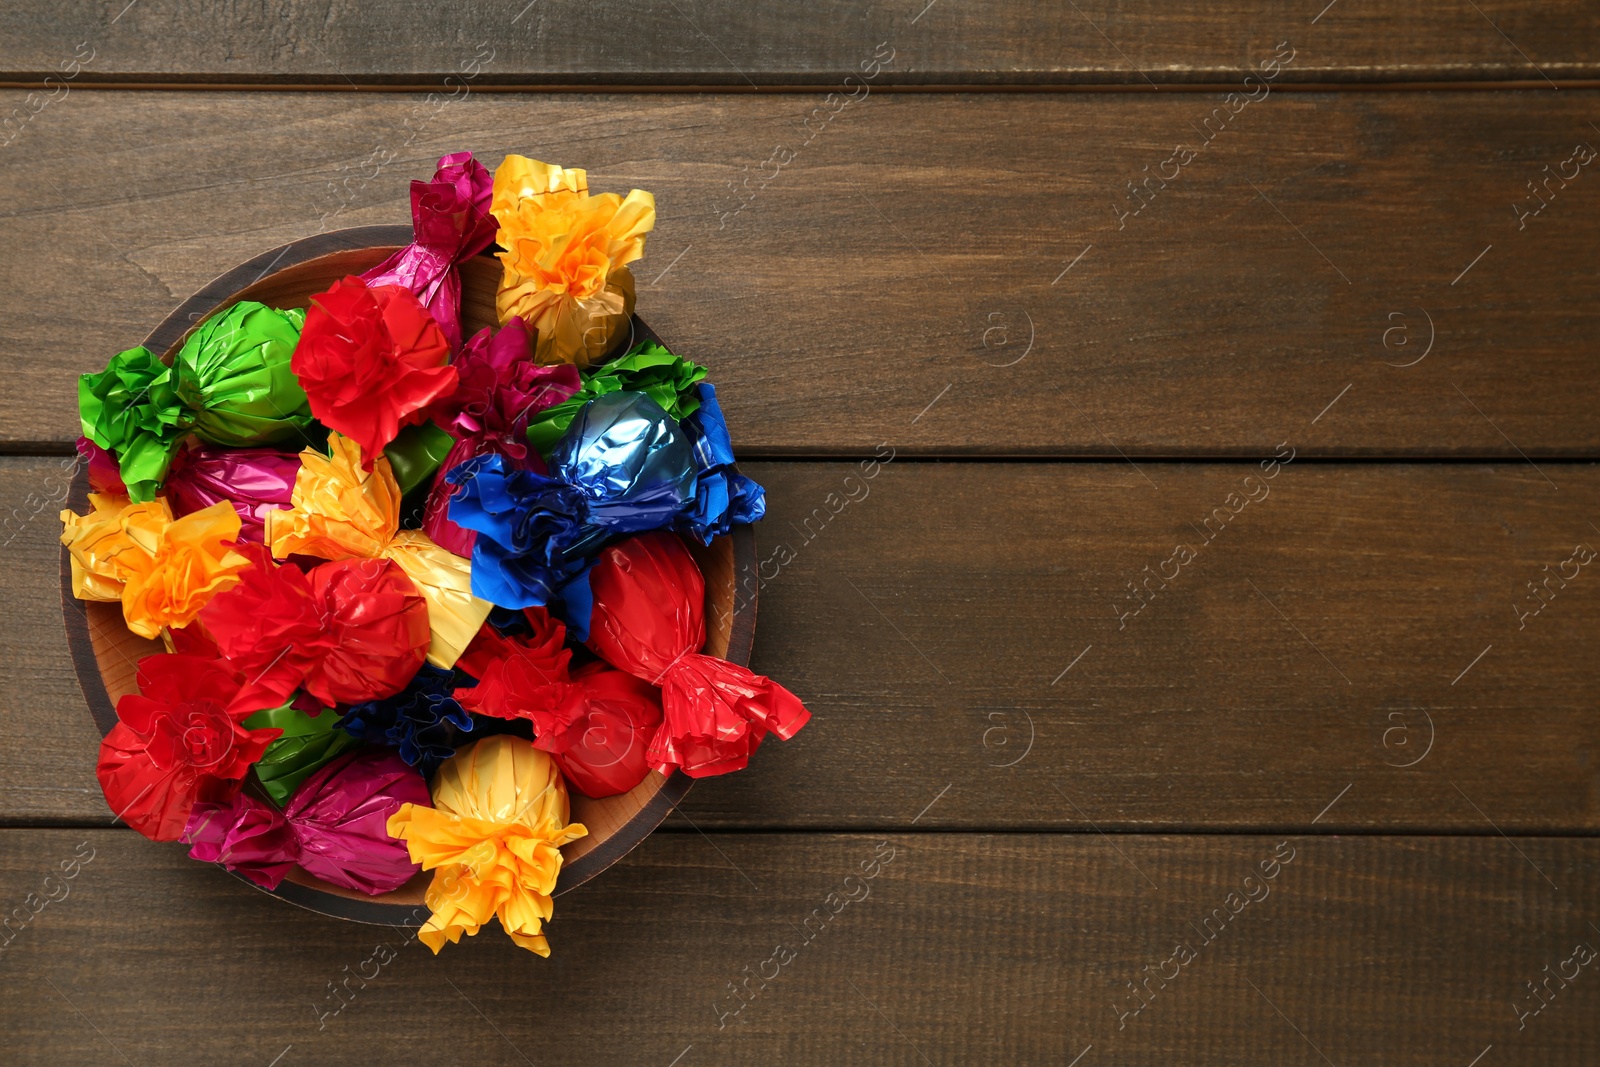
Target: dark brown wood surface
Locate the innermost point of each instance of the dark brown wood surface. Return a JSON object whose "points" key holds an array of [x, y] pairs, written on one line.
{"points": [[964, 948], [656, 43], [1321, 638], [888, 283], [1071, 772]]}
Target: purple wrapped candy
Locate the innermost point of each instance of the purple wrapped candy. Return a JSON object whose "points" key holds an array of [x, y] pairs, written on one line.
{"points": [[254, 480], [501, 389], [334, 827], [450, 223]]}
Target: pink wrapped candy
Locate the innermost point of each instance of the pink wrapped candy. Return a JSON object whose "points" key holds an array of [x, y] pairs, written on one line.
{"points": [[334, 827], [450, 223]]}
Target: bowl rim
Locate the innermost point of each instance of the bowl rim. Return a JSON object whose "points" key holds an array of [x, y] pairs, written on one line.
{"points": [[213, 297]]}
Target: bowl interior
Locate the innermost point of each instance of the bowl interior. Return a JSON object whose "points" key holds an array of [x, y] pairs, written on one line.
{"points": [[107, 652]]}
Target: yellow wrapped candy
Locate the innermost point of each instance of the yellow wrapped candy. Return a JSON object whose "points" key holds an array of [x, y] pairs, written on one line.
{"points": [[163, 570], [493, 840], [343, 512], [566, 255]]}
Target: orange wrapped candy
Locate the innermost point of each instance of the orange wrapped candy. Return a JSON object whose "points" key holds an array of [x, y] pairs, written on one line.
{"points": [[493, 840], [163, 570], [566, 255]]}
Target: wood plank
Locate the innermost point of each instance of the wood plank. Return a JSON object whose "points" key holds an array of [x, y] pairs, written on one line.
{"points": [[962, 949], [1347, 642], [886, 285], [719, 42]]}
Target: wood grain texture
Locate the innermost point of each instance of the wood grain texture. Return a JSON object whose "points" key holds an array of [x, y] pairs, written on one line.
{"points": [[721, 42], [1325, 636], [887, 283], [962, 949]]}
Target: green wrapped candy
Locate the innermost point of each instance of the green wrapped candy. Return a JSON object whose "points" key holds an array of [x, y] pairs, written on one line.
{"points": [[230, 384], [647, 368], [416, 454], [307, 743]]}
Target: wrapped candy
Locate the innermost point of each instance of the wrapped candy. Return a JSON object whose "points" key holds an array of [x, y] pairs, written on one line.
{"points": [[416, 454], [450, 223], [723, 496], [544, 646], [342, 511], [177, 742], [565, 257], [501, 389], [306, 741], [647, 368], [164, 571], [424, 720], [253, 481], [493, 839], [597, 724], [347, 631], [623, 466], [334, 828], [230, 384], [371, 359], [103, 474], [649, 620]]}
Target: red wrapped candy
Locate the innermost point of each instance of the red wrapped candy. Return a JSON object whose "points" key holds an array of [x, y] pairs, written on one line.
{"points": [[596, 722], [348, 631], [649, 620], [335, 826], [178, 741], [370, 360], [545, 647]]}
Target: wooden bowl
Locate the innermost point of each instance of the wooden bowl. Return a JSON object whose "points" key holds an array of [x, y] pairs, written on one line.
{"points": [[105, 653]]}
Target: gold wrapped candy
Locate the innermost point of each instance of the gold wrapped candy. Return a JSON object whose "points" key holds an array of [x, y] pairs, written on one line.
{"points": [[565, 257], [493, 840], [343, 512]]}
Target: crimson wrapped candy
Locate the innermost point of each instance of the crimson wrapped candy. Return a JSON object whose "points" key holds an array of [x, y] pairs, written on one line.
{"points": [[334, 827], [348, 631], [370, 361], [649, 620], [178, 741]]}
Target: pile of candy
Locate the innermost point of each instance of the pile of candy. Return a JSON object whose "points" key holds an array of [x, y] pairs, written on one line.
{"points": [[413, 588]]}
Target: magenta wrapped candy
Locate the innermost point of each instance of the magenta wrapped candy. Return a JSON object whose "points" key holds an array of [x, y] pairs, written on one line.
{"points": [[501, 389], [450, 223], [334, 827], [254, 480], [104, 474]]}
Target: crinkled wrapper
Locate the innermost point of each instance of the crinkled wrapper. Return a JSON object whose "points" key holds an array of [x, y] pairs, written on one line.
{"points": [[164, 571], [347, 631], [493, 840], [307, 741], [648, 368], [424, 722], [649, 619], [723, 496], [230, 384], [623, 466], [177, 742], [343, 511], [450, 223], [564, 256], [252, 481], [335, 827], [371, 360], [501, 389]]}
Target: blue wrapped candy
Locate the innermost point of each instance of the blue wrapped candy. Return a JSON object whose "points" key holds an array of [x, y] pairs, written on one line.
{"points": [[723, 496], [624, 466], [424, 720]]}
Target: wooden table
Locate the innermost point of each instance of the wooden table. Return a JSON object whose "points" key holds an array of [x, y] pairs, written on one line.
{"points": [[1210, 675]]}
